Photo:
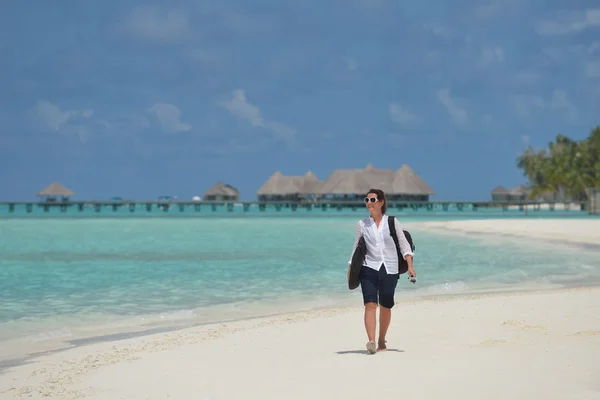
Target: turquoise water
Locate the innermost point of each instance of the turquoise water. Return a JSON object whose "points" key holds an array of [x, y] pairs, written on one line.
{"points": [[65, 277]]}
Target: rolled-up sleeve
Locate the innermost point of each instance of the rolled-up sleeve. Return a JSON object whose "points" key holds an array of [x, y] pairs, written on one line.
{"points": [[357, 235], [405, 248]]}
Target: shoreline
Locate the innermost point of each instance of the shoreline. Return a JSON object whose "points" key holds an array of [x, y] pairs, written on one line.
{"points": [[23, 349], [33, 372], [582, 232], [48, 347], [85, 341]]}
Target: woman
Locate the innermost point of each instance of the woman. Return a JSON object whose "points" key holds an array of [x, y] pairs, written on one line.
{"points": [[379, 274]]}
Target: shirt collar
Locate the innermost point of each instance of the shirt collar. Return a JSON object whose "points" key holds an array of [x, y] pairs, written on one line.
{"points": [[383, 217]]}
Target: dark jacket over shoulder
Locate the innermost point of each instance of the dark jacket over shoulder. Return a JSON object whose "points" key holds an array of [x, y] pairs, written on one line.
{"points": [[358, 259]]}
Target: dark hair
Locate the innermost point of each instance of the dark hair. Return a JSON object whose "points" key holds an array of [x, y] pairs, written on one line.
{"points": [[380, 196]]}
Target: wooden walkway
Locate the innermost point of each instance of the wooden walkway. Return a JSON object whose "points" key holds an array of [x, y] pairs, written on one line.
{"points": [[247, 206]]}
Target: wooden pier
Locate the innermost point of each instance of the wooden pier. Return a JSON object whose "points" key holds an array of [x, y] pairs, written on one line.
{"points": [[278, 206]]}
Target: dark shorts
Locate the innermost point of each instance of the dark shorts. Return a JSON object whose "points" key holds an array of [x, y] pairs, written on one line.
{"points": [[378, 286]]}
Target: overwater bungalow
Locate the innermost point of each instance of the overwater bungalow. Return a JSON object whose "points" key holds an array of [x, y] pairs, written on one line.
{"points": [[222, 192], [53, 192], [500, 193], [352, 184], [522, 193], [293, 188]]}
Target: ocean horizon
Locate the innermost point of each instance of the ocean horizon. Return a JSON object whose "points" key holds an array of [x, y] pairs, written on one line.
{"points": [[68, 278]]}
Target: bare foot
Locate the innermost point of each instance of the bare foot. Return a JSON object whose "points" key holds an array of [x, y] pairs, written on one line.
{"points": [[381, 346]]}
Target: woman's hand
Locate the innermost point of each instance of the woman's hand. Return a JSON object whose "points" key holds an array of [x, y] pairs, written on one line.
{"points": [[411, 268], [411, 271]]}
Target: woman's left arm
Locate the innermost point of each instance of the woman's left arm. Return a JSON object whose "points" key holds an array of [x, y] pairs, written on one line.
{"points": [[405, 248]]}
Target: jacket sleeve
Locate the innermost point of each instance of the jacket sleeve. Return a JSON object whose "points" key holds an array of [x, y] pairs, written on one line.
{"points": [[357, 235], [404, 245]]}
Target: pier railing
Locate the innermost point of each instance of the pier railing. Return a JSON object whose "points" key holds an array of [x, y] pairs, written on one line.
{"points": [[261, 206]]}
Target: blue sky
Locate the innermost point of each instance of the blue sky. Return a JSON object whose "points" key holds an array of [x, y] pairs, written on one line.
{"points": [[141, 99]]}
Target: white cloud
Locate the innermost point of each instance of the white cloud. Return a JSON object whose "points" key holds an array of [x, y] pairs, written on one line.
{"points": [[527, 105], [491, 55], [241, 108], [52, 117], [401, 114], [454, 106], [153, 23], [437, 30], [560, 102], [169, 117], [592, 69], [570, 23]]}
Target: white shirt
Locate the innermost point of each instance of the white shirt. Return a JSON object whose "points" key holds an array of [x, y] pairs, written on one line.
{"points": [[380, 245]]}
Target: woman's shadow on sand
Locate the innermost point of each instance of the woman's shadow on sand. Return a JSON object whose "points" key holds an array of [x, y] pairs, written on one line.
{"points": [[366, 353]]}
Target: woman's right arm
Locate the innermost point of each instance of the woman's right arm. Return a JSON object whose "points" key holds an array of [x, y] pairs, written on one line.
{"points": [[357, 235]]}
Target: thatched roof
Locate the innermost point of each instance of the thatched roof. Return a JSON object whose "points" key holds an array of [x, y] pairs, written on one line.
{"points": [[340, 181], [56, 189], [406, 181], [519, 191], [500, 190], [274, 182], [221, 189], [351, 181], [279, 184]]}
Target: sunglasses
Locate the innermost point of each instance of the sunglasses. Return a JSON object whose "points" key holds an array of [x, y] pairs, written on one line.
{"points": [[371, 199]]}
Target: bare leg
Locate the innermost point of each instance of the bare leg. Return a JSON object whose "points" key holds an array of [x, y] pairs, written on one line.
{"points": [[385, 316], [370, 320]]}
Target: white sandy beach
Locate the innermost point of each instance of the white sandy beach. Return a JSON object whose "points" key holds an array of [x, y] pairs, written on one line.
{"points": [[583, 231], [537, 345]]}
